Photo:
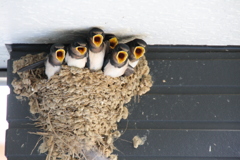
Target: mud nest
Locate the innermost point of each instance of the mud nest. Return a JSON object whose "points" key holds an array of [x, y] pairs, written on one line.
{"points": [[78, 110]]}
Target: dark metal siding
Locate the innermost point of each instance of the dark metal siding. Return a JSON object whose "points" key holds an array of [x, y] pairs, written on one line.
{"points": [[192, 111]]}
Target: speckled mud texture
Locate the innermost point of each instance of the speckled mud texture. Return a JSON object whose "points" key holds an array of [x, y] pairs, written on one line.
{"points": [[78, 110], [137, 141]]}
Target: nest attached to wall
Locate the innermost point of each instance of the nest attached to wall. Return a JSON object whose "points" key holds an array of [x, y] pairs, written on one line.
{"points": [[78, 110]]}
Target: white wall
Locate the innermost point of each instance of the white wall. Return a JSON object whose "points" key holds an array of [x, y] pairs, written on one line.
{"points": [[215, 22]]}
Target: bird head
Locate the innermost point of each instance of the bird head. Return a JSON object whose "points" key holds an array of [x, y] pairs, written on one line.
{"points": [[58, 52], [96, 36], [79, 47], [120, 53], [112, 39], [137, 48]]}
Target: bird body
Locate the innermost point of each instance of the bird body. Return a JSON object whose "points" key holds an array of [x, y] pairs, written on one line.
{"points": [[80, 63], [97, 59], [97, 49], [77, 53], [111, 70], [50, 69]]}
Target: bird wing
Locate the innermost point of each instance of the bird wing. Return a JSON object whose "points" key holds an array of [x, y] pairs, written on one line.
{"points": [[105, 63], [107, 49], [88, 62], [37, 64], [129, 71]]}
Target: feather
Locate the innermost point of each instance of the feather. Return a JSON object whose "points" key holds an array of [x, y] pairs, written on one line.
{"points": [[38, 64], [129, 71], [94, 155]]}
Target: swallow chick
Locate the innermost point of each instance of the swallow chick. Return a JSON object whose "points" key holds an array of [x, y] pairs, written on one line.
{"points": [[52, 62], [55, 59], [77, 53], [97, 49], [117, 62], [137, 50], [111, 40]]}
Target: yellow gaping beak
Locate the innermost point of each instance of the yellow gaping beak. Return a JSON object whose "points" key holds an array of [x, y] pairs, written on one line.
{"points": [[81, 50], [60, 54], [121, 57], [97, 40], [139, 52], [113, 42]]}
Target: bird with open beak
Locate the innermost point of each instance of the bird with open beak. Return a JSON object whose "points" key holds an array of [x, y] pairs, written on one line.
{"points": [[137, 50], [52, 62], [117, 62], [111, 41], [97, 49], [77, 53]]}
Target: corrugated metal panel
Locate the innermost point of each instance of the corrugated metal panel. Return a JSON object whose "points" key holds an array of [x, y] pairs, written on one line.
{"points": [[192, 111]]}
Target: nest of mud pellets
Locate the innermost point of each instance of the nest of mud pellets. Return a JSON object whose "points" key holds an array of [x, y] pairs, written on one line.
{"points": [[78, 110]]}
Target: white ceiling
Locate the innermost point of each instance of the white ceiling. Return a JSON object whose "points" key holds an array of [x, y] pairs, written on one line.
{"points": [[215, 22]]}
